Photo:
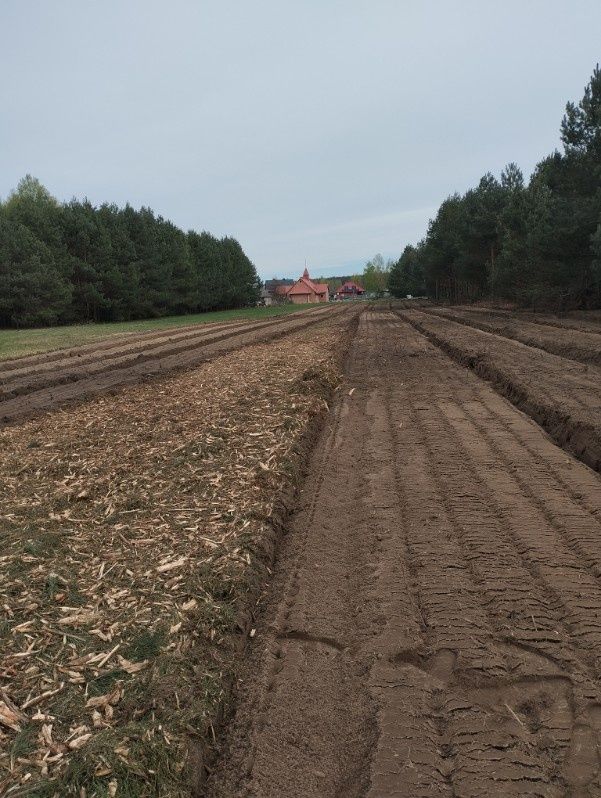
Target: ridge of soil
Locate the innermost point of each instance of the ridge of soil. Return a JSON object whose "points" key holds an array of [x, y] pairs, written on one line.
{"points": [[562, 397], [23, 396], [572, 343], [138, 533], [433, 627]]}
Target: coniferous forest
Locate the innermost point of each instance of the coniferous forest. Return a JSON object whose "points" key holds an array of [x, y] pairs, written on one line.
{"points": [[535, 244], [64, 263]]}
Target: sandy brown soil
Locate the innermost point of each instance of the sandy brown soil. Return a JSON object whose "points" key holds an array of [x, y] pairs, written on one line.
{"points": [[584, 320], [39, 383], [434, 623], [562, 395], [571, 342]]}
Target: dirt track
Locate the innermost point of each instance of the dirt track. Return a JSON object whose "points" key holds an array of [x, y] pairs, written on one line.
{"points": [[434, 624], [39, 383]]}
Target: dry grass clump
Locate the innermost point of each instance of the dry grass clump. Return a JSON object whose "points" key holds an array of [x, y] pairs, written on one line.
{"points": [[134, 532]]}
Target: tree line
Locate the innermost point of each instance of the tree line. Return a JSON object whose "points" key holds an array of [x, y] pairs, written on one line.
{"points": [[65, 263], [534, 244]]}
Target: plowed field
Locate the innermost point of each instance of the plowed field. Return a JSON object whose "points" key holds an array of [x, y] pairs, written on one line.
{"points": [[434, 624], [573, 342], [422, 618], [136, 533], [563, 395], [31, 385]]}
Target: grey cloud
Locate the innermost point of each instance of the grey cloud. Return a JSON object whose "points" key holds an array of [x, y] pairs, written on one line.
{"points": [[322, 130]]}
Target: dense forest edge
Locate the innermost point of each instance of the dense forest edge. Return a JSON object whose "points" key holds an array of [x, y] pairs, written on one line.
{"points": [[536, 245], [66, 263]]}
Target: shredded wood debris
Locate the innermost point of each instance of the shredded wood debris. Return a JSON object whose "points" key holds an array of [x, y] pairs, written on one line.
{"points": [[133, 528]]}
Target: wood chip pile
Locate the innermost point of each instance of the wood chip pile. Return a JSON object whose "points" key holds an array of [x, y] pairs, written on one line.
{"points": [[134, 529]]}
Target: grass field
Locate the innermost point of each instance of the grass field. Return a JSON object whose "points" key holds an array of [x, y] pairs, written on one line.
{"points": [[17, 343]]}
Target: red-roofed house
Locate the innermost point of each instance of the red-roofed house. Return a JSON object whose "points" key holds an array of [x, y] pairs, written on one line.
{"points": [[305, 290], [349, 289]]}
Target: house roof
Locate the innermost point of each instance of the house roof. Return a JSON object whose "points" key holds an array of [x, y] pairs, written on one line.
{"points": [[275, 283], [350, 285], [305, 285]]}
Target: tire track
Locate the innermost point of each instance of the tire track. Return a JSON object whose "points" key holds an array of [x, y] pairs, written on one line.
{"points": [[448, 439], [578, 526], [582, 487], [434, 626], [482, 756]]}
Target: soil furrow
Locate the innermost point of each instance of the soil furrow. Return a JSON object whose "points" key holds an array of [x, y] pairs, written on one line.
{"points": [[572, 343], [561, 396], [116, 340], [82, 356], [62, 371], [74, 387], [434, 624], [299, 676]]}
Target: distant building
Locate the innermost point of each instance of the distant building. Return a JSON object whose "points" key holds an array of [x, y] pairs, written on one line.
{"points": [[349, 289], [265, 297], [305, 291], [274, 291], [272, 285]]}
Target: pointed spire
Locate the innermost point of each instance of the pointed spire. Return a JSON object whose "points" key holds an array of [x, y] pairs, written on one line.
{"points": [[306, 274]]}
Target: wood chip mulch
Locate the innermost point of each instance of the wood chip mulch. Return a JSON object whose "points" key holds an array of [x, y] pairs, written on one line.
{"points": [[132, 531]]}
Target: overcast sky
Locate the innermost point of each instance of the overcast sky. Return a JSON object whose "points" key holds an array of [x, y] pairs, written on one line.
{"points": [[305, 128]]}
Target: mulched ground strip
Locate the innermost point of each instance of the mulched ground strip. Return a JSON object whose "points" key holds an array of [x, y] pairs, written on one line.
{"points": [[69, 382], [136, 529]]}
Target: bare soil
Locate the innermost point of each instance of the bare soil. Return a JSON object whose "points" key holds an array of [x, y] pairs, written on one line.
{"points": [[572, 342], [585, 320], [562, 395], [434, 623], [29, 386]]}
